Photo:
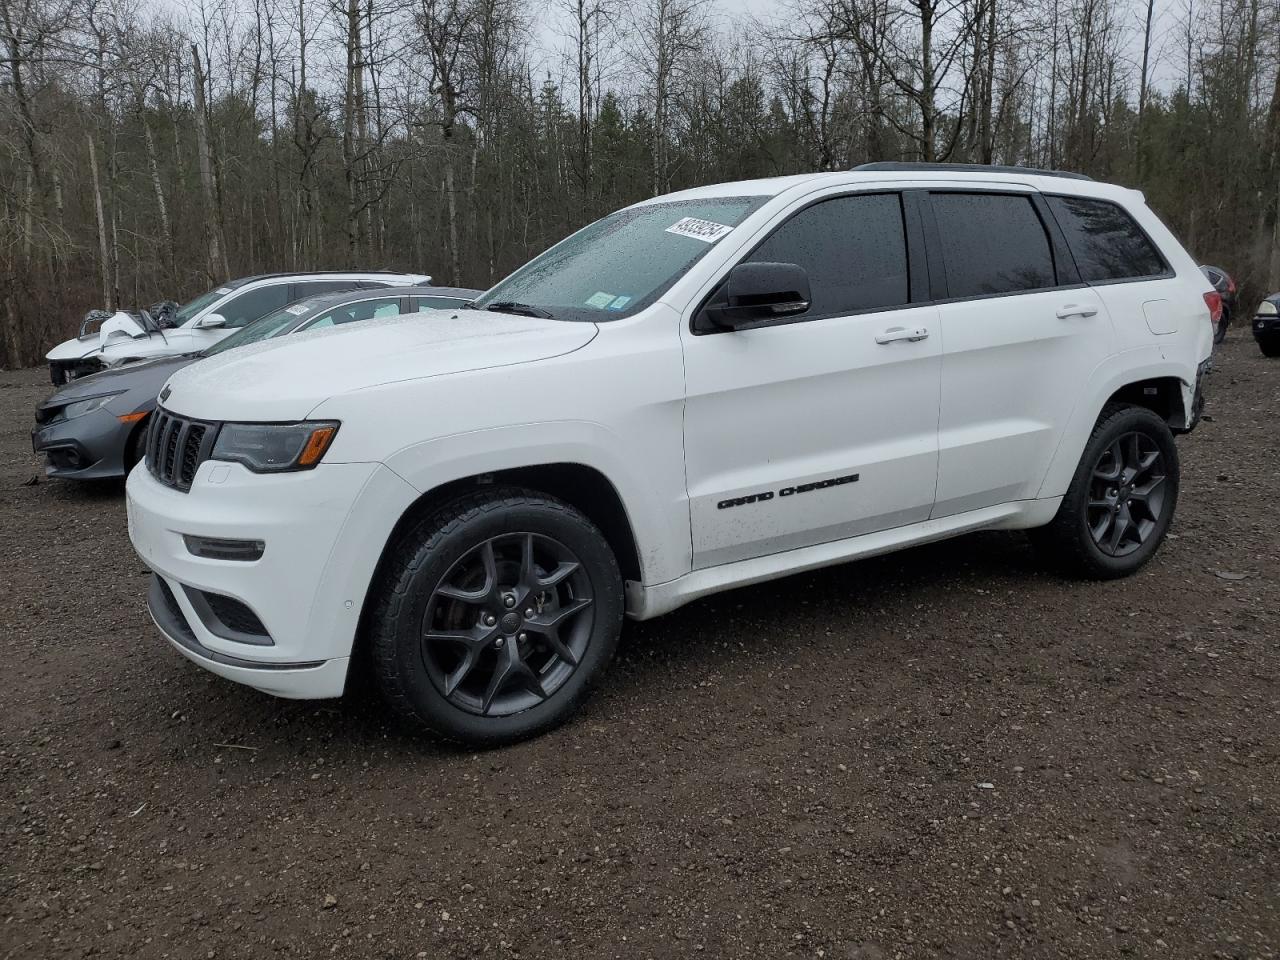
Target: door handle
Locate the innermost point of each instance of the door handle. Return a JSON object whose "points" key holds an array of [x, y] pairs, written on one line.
{"points": [[1076, 310], [893, 334]]}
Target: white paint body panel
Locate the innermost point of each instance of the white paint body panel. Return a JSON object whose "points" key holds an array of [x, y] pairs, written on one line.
{"points": [[978, 426]]}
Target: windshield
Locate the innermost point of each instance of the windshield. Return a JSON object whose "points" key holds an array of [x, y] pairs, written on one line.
{"points": [[621, 264], [273, 324], [192, 307]]}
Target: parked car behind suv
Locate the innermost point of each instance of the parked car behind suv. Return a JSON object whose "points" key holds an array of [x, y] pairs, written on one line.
{"points": [[701, 391], [1266, 326], [202, 322], [96, 427]]}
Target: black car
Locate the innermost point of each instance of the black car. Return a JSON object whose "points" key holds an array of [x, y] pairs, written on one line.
{"points": [[1266, 326], [1225, 284], [95, 427]]}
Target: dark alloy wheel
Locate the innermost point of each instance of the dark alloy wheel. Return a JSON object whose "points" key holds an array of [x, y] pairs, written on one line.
{"points": [[1127, 494], [1121, 499], [494, 614], [508, 624]]}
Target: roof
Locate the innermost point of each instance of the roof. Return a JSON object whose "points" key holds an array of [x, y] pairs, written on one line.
{"points": [[889, 173], [241, 281]]}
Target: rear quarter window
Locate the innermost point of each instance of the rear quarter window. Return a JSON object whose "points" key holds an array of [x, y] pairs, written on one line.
{"points": [[1106, 242]]}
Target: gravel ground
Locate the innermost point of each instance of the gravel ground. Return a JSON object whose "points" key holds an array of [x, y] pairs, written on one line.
{"points": [[948, 752]]}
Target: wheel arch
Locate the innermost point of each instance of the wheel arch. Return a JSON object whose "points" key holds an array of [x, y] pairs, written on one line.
{"points": [[1147, 380]]}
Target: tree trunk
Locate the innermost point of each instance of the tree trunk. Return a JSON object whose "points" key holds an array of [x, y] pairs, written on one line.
{"points": [[104, 257], [216, 264]]}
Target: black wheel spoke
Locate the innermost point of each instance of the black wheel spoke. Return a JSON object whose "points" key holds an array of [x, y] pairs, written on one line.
{"points": [[491, 656], [1126, 495], [559, 574]]}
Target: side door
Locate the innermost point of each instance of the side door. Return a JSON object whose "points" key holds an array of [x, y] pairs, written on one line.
{"points": [[1020, 334], [822, 427]]}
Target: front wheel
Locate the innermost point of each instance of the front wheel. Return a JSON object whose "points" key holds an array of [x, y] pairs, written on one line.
{"points": [[1121, 499], [1269, 345], [496, 614]]}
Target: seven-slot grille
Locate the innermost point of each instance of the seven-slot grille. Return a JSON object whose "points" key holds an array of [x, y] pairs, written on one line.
{"points": [[176, 446]]}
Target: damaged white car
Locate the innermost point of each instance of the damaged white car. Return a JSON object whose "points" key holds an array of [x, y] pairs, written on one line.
{"points": [[168, 330]]}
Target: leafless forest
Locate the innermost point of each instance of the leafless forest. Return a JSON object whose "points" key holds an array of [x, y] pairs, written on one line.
{"points": [[150, 149]]}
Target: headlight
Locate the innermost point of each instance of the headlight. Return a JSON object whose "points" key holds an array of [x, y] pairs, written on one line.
{"points": [[1267, 309], [81, 407], [275, 447]]}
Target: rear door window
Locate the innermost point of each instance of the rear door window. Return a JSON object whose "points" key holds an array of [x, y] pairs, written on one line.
{"points": [[439, 303], [252, 304], [314, 288], [1106, 242], [992, 244], [854, 249], [355, 312]]}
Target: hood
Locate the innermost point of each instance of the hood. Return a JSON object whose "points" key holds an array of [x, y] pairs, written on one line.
{"points": [[145, 375], [285, 378]]}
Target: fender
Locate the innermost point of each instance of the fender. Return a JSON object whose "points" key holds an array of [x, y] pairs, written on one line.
{"points": [[1120, 369], [658, 513]]}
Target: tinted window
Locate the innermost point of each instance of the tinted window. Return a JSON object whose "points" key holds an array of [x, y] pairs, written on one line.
{"points": [[853, 248], [313, 288], [1105, 241], [353, 312], [992, 243], [255, 303]]}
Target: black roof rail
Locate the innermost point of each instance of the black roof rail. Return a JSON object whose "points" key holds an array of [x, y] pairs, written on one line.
{"points": [[908, 167]]}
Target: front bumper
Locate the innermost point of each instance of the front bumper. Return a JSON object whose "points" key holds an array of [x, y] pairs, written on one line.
{"points": [[1266, 326], [323, 532], [91, 447]]}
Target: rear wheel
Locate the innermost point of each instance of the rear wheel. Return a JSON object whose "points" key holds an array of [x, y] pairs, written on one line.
{"points": [[1121, 499], [495, 616], [1220, 332], [1269, 345]]}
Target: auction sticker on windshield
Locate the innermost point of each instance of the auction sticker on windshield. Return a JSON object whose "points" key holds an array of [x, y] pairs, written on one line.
{"points": [[600, 300], [708, 231]]}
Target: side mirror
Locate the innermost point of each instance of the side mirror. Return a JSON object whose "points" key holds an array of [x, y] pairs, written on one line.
{"points": [[758, 294], [211, 321]]}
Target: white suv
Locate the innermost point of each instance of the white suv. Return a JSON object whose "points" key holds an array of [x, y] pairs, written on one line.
{"points": [[701, 391], [202, 322]]}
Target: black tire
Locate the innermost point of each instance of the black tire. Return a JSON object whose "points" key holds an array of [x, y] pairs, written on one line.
{"points": [[1270, 346], [137, 448], [58, 374], [419, 609], [1071, 541], [1220, 333]]}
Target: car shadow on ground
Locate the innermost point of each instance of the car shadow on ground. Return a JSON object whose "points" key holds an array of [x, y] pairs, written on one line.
{"points": [[686, 643]]}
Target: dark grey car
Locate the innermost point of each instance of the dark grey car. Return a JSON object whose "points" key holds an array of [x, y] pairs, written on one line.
{"points": [[95, 427]]}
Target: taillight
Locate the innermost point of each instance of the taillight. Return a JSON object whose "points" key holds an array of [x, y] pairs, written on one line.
{"points": [[1213, 300]]}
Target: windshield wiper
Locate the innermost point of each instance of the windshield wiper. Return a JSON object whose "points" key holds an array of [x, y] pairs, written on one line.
{"points": [[523, 309]]}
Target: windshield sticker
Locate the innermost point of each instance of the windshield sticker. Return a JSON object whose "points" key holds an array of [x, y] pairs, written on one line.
{"points": [[600, 300], [619, 303], [298, 309], [222, 291], [708, 231]]}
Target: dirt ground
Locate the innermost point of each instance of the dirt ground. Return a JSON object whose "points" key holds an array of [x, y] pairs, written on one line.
{"points": [[948, 752]]}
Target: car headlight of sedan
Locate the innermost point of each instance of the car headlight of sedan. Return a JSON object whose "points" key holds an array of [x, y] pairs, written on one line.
{"points": [[1267, 309], [275, 447], [81, 407]]}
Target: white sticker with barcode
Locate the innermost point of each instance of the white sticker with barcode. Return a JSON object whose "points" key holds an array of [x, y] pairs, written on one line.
{"points": [[708, 231]]}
